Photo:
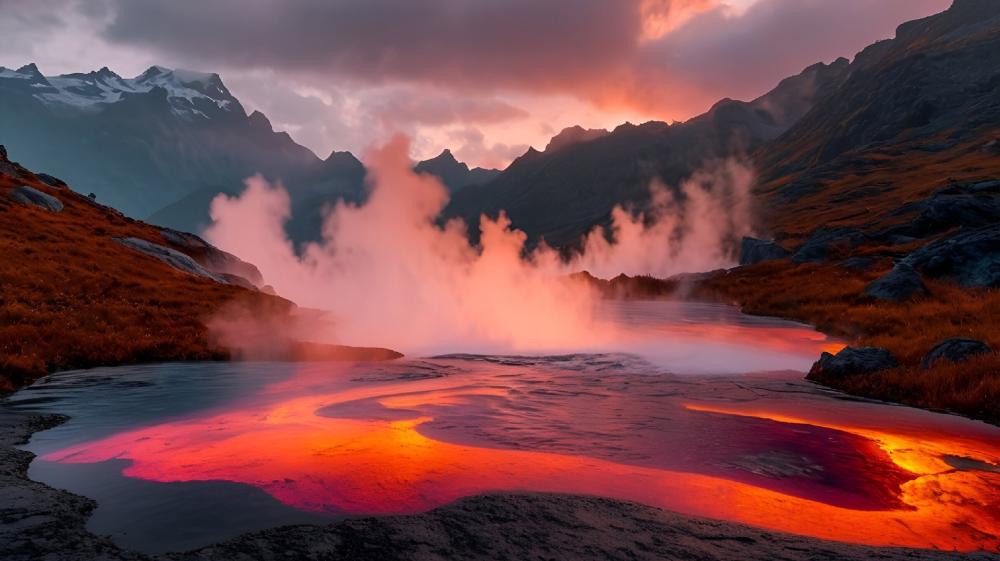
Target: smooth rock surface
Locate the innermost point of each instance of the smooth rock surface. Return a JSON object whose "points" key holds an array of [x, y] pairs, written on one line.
{"points": [[171, 257], [30, 196], [955, 350]]}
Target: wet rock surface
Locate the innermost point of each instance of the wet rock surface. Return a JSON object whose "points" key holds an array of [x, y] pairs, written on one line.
{"points": [[853, 360], [955, 350], [41, 523]]}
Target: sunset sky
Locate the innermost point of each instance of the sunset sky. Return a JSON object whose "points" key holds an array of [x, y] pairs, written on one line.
{"points": [[485, 78]]}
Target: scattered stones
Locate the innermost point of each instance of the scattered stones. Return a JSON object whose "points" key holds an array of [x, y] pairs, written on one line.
{"points": [[33, 197], [971, 258], [954, 350], [171, 257], [753, 251], [901, 283], [853, 360]]}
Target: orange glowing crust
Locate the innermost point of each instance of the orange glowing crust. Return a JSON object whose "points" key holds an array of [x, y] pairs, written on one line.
{"points": [[366, 466]]}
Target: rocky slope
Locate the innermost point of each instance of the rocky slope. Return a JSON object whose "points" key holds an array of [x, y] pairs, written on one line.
{"points": [[81, 285]]}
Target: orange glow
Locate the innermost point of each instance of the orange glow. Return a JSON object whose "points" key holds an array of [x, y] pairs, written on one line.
{"points": [[380, 466]]}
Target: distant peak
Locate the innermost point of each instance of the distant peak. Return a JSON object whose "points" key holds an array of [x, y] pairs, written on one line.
{"points": [[260, 120], [573, 135], [444, 156], [30, 69]]}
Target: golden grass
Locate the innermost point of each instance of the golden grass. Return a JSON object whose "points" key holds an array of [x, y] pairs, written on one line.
{"points": [[833, 300]]}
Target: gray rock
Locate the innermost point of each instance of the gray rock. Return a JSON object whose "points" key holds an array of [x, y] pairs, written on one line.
{"points": [[171, 257], [955, 350], [213, 258], [33, 197], [50, 180], [971, 258], [857, 263], [754, 250], [853, 360], [817, 248], [901, 283]]}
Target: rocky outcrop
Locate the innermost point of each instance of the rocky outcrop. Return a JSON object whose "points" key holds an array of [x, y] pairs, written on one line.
{"points": [[821, 244], [51, 181], [960, 205], [901, 283], [955, 350], [754, 250], [214, 259], [171, 257], [853, 360], [33, 197], [970, 258], [857, 263]]}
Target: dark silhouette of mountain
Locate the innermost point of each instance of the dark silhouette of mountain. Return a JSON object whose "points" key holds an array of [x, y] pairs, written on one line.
{"points": [[573, 135], [563, 192], [454, 174]]}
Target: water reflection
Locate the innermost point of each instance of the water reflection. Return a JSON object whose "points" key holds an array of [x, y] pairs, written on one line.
{"points": [[768, 450]]}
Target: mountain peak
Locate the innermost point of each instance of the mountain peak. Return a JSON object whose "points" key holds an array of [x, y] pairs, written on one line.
{"points": [[259, 120], [30, 68], [573, 135]]}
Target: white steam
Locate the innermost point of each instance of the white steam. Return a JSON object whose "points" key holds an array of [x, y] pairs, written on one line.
{"points": [[391, 277]]}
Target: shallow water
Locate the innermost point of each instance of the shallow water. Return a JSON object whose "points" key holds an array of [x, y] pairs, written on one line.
{"points": [[180, 455]]}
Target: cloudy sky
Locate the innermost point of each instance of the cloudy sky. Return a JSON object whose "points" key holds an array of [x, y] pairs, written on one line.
{"points": [[486, 78]]}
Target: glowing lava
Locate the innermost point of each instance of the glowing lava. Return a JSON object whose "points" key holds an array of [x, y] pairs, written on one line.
{"points": [[379, 459]]}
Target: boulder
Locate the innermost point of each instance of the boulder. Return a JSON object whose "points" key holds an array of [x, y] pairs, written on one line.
{"points": [[753, 251], [33, 197], [955, 350], [901, 283], [853, 360], [50, 180], [971, 258], [213, 258], [171, 257], [859, 263], [817, 248]]}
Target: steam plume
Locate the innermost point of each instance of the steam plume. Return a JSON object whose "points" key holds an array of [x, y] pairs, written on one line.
{"points": [[390, 276]]}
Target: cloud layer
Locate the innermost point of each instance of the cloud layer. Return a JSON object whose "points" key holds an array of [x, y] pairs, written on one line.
{"points": [[504, 69]]}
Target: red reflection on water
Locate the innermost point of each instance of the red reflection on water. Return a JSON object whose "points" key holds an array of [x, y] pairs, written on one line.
{"points": [[386, 466]]}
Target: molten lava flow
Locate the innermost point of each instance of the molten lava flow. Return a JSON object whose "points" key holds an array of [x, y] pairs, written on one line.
{"points": [[379, 461]]}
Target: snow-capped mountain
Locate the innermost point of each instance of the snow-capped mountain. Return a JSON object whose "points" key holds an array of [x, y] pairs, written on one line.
{"points": [[188, 93], [144, 143]]}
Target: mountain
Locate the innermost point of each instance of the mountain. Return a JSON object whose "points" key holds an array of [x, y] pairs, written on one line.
{"points": [[916, 113], [85, 285], [454, 174], [144, 143], [573, 135], [561, 193]]}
